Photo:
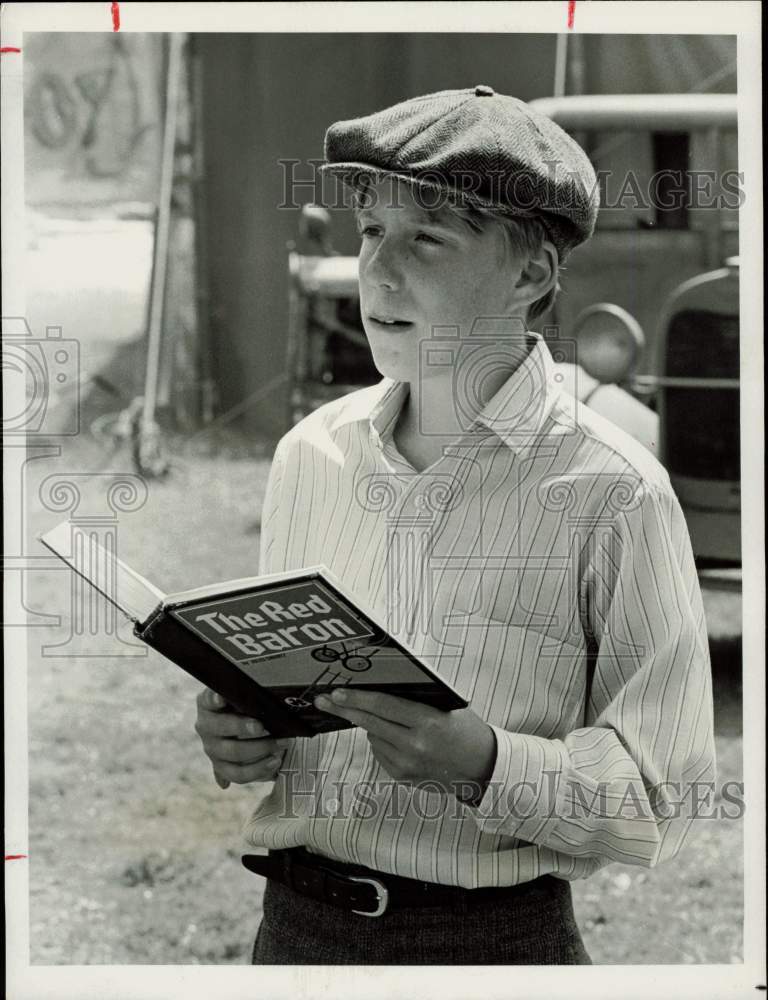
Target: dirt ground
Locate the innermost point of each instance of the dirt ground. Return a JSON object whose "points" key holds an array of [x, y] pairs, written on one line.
{"points": [[134, 850]]}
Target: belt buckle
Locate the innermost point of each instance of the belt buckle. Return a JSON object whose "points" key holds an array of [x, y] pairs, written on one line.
{"points": [[382, 895]]}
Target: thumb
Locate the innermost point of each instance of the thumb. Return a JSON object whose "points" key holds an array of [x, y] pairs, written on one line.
{"points": [[213, 700], [221, 782]]}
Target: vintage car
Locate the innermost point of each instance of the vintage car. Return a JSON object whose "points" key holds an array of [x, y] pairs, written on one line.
{"points": [[676, 391], [677, 272]]}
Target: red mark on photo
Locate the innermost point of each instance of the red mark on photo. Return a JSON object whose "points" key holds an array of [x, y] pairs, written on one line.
{"points": [[14, 857], [9, 48], [571, 12], [115, 16]]}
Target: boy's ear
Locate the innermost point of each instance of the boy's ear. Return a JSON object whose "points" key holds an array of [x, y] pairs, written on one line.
{"points": [[539, 275]]}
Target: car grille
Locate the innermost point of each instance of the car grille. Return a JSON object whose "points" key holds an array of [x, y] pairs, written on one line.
{"points": [[702, 424]]}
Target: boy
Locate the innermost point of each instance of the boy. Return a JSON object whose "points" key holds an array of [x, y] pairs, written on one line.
{"points": [[530, 551]]}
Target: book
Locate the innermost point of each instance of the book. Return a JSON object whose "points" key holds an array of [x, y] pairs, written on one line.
{"points": [[267, 644]]}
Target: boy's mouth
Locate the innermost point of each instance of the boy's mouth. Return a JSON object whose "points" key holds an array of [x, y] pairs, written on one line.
{"points": [[390, 323]]}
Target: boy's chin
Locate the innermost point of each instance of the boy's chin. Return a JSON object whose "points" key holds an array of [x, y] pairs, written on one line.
{"points": [[397, 369]]}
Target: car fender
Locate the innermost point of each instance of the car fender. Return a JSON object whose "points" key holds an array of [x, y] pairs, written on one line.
{"points": [[613, 403]]}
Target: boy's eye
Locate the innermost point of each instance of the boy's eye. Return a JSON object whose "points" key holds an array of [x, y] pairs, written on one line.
{"points": [[371, 231]]}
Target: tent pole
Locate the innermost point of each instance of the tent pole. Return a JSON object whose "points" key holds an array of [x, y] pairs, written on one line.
{"points": [[561, 65], [148, 442]]}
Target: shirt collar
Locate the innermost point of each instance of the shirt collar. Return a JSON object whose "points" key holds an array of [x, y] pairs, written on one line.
{"points": [[516, 413], [377, 405]]}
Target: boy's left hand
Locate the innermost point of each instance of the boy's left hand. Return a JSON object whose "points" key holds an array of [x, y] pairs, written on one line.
{"points": [[416, 743]]}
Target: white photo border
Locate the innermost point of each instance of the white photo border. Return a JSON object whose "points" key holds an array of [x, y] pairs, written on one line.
{"points": [[742, 19]]}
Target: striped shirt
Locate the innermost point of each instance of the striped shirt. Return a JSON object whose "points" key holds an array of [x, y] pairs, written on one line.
{"points": [[542, 566]]}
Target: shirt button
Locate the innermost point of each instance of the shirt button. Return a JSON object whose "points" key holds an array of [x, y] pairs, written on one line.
{"points": [[483, 91]]}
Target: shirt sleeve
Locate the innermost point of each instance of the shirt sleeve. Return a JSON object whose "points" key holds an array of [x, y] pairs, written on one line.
{"points": [[271, 546], [626, 786]]}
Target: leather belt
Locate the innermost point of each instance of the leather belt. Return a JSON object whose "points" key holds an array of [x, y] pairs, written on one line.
{"points": [[364, 891]]}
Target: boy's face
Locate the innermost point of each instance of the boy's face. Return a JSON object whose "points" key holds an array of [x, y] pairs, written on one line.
{"points": [[426, 270]]}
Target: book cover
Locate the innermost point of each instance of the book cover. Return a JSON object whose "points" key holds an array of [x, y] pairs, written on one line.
{"points": [[269, 645]]}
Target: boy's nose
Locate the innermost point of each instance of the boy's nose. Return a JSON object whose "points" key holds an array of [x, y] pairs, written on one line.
{"points": [[383, 268]]}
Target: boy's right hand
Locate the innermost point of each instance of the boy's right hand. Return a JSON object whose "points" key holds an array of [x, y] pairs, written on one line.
{"points": [[240, 748]]}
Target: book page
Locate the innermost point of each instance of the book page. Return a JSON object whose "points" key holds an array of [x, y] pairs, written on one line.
{"points": [[130, 592], [223, 587]]}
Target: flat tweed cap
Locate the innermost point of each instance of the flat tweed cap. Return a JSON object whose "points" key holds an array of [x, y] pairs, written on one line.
{"points": [[475, 146]]}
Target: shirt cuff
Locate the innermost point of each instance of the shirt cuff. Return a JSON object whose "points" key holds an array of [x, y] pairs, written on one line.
{"points": [[525, 795]]}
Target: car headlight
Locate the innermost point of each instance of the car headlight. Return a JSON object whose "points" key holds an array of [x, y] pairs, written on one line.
{"points": [[609, 341]]}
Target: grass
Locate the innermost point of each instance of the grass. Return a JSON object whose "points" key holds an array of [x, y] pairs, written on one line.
{"points": [[135, 850]]}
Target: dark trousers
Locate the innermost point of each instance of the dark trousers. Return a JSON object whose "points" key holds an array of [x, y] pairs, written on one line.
{"points": [[535, 927]]}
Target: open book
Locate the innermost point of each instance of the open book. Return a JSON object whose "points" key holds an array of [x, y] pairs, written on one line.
{"points": [[267, 644]]}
